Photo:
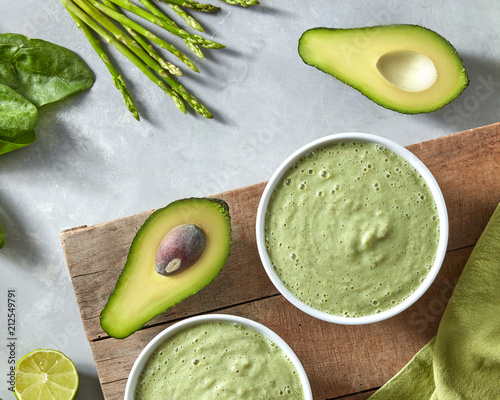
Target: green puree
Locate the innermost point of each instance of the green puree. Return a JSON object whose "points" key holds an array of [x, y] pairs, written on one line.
{"points": [[218, 360], [352, 229]]}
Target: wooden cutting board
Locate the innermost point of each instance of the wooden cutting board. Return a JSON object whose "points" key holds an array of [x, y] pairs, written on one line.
{"points": [[341, 361]]}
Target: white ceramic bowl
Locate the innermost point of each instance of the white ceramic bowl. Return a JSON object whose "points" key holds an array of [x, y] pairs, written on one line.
{"points": [[179, 326], [416, 163]]}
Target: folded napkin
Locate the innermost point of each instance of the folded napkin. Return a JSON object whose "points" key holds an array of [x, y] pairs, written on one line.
{"points": [[463, 361]]}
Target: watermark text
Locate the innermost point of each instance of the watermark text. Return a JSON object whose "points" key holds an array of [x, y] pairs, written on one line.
{"points": [[11, 338]]}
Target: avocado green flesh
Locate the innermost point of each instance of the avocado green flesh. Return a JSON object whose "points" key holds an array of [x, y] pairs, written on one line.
{"points": [[431, 71], [141, 293]]}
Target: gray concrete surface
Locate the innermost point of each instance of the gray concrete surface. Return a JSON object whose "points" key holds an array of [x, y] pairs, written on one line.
{"points": [[93, 162]]}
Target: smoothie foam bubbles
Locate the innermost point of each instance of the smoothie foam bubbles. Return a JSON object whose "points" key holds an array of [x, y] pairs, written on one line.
{"points": [[352, 229]]}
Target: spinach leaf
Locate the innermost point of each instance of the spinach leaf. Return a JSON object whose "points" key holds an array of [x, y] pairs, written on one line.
{"points": [[17, 120], [41, 71], [2, 237], [18, 114], [9, 143]]}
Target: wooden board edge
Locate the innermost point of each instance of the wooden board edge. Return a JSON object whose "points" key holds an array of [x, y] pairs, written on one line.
{"points": [[495, 126], [78, 229], [82, 228]]}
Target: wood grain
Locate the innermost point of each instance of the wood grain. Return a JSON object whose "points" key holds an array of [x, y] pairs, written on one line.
{"points": [[358, 396], [331, 354], [339, 360]]}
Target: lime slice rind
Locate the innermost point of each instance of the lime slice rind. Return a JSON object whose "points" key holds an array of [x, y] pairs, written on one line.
{"points": [[46, 375]]}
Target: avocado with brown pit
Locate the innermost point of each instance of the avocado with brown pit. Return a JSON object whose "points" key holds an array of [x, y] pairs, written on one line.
{"points": [[179, 250]]}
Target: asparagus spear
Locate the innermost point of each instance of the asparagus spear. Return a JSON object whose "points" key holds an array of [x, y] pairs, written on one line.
{"points": [[148, 47], [188, 18], [243, 3], [128, 5], [72, 7], [156, 11], [120, 35], [178, 10], [194, 48], [194, 5], [104, 17], [117, 79], [146, 33], [173, 69], [160, 14]]}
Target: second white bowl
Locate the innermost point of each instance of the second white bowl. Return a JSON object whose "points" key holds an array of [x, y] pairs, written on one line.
{"points": [[189, 322]]}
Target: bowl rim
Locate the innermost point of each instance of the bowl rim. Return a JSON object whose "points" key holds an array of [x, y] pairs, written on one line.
{"points": [[408, 156], [192, 321]]}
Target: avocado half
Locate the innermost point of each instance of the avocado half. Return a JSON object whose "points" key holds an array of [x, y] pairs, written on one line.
{"points": [[141, 293], [406, 68]]}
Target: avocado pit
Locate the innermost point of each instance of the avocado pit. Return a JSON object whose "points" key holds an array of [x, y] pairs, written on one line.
{"points": [[179, 249], [407, 70]]}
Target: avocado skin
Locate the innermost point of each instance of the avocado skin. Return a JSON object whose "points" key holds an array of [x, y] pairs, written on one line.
{"points": [[119, 326], [401, 109]]}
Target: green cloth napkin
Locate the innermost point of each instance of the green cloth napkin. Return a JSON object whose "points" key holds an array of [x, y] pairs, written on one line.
{"points": [[463, 361]]}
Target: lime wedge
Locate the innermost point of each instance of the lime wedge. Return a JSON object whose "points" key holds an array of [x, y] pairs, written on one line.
{"points": [[46, 375]]}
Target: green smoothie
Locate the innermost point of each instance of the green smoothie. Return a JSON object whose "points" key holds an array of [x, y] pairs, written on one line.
{"points": [[218, 360], [352, 229]]}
